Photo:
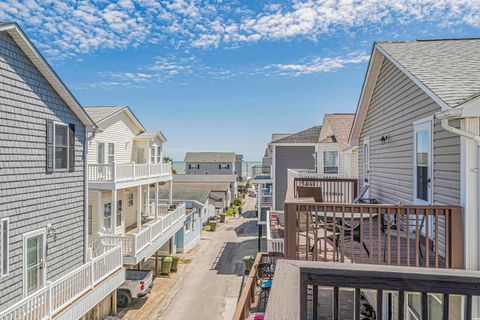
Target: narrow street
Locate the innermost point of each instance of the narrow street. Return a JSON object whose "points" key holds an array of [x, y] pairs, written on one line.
{"points": [[211, 284]]}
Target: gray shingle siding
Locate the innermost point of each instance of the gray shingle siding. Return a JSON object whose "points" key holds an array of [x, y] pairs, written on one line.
{"points": [[28, 195], [290, 157], [209, 167]]}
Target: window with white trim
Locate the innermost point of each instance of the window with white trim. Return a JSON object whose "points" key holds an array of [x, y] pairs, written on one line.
{"points": [[100, 153], [189, 224], [224, 166], [119, 212], [111, 152], [330, 162], [159, 154], [130, 199], [152, 155], [107, 215], [4, 245], [61, 146]]}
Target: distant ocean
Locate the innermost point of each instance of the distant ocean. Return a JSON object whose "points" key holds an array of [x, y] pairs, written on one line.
{"points": [[179, 166]]}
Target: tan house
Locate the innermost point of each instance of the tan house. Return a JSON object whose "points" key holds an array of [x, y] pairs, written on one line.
{"points": [[125, 162]]}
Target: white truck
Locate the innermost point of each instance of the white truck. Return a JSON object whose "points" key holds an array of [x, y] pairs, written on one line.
{"points": [[138, 283]]}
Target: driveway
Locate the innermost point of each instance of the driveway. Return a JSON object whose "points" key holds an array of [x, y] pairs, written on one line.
{"points": [[210, 286]]}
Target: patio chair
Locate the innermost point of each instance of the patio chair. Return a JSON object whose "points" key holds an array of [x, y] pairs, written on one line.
{"points": [[264, 279], [397, 227]]}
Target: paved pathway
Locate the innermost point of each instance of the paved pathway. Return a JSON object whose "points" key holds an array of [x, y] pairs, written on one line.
{"points": [[210, 285]]}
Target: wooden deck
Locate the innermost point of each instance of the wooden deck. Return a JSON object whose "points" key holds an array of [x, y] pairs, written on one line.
{"points": [[375, 247]]}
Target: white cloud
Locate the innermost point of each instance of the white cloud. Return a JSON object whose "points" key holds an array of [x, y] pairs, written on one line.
{"points": [[68, 28], [316, 65]]}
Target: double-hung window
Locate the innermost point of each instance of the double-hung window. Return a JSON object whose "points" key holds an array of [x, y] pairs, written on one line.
{"points": [[159, 154], [107, 215], [100, 153], [130, 199], [152, 155], [61, 146], [330, 162], [111, 152], [119, 212], [4, 247]]}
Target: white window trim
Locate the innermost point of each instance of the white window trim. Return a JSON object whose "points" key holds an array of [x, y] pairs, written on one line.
{"points": [[430, 161], [4, 273], [105, 152], [108, 152], [55, 123], [26, 236], [338, 162]]}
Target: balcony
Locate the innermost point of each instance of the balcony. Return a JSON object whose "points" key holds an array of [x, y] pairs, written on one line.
{"points": [[323, 224], [275, 231], [74, 294], [261, 174], [138, 245], [124, 174], [312, 290]]}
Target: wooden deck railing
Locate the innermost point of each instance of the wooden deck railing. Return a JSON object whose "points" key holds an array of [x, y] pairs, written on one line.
{"points": [[48, 301], [248, 296], [338, 190], [429, 236], [306, 290]]}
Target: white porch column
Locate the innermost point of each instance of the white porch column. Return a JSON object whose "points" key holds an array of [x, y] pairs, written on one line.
{"points": [[114, 212], [156, 200], [139, 208], [259, 200], [147, 200], [170, 193], [99, 211]]}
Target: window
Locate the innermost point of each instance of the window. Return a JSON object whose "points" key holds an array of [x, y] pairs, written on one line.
{"points": [[159, 154], [224, 166], [330, 162], [100, 153], [130, 199], [4, 253], [189, 224], [111, 152], [195, 166], [422, 161], [90, 219], [152, 155], [140, 155], [61, 146], [119, 212], [107, 215]]}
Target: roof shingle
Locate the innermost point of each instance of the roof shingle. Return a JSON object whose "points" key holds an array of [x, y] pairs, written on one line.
{"points": [[310, 135]]}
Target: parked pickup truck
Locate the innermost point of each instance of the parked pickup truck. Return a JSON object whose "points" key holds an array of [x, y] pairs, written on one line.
{"points": [[138, 284]]}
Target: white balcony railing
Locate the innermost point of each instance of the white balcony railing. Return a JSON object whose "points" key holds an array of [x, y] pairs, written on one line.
{"points": [[57, 295], [275, 242], [119, 172], [133, 244]]}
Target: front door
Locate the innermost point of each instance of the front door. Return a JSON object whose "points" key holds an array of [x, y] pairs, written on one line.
{"points": [[423, 162], [366, 165], [34, 263]]}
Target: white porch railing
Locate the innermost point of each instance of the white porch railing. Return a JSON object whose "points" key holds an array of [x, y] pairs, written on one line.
{"points": [[134, 243], [46, 302], [274, 242], [114, 172]]}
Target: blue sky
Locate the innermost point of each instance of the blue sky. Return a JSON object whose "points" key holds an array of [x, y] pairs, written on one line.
{"points": [[223, 75]]}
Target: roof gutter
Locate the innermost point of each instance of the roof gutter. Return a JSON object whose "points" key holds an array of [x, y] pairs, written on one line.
{"points": [[455, 113]]}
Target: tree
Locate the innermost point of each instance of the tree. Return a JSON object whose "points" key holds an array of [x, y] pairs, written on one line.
{"points": [[168, 159]]}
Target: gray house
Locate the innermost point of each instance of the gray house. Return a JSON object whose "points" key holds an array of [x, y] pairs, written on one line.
{"points": [[417, 129], [291, 152], [43, 234], [210, 163]]}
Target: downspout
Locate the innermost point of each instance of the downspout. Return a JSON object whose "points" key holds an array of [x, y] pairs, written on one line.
{"points": [[85, 179]]}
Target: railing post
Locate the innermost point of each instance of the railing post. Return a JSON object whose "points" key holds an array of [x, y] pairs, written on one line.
{"points": [[50, 300], [114, 171]]}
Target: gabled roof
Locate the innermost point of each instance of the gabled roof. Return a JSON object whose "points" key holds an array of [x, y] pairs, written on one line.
{"points": [[195, 194], [341, 124], [102, 113], [17, 34], [450, 68], [310, 135], [149, 135], [210, 157], [212, 186], [445, 69]]}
